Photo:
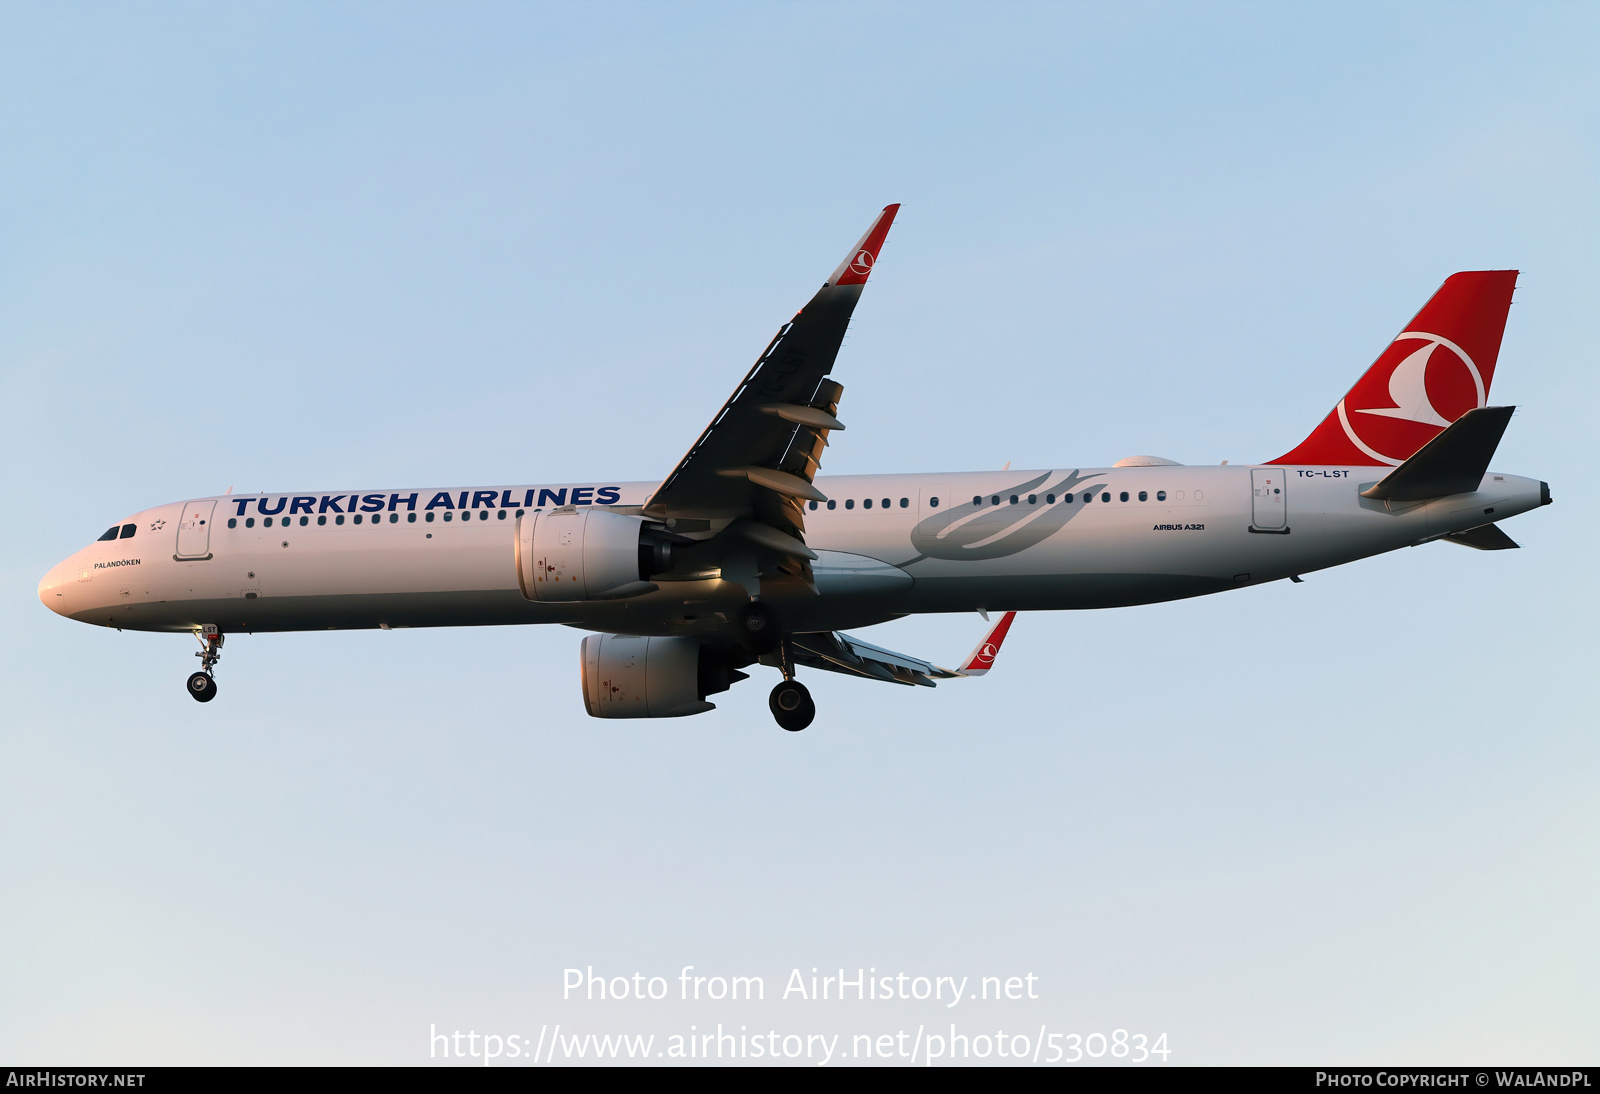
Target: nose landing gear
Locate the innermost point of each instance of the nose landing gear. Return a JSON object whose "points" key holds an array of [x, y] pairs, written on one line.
{"points": [[201, 685]]}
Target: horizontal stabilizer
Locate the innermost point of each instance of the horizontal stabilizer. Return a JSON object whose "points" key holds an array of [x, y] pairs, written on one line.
{"points": [[1489, 537], [1454, 462]]}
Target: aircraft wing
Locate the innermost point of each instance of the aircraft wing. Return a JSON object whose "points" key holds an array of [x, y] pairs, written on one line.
{"points": [[835, 652], [753, 467]]}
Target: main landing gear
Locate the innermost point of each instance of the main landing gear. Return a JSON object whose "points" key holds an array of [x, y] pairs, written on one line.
{"points": [[792, 706], [790, 702], [201, 685]]}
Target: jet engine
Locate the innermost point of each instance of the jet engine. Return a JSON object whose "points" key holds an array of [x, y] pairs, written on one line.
{"points": [[588, 554], [625, 676]]}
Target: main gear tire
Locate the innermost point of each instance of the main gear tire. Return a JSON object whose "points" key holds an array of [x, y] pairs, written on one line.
{"points": [[791, 706]]}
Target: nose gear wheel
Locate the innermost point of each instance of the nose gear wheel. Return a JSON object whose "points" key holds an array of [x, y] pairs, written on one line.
{"points": [[202, 687]]}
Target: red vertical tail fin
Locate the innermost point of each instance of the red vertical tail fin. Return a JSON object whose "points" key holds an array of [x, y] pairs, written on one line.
{"points": [[1438, 368]]}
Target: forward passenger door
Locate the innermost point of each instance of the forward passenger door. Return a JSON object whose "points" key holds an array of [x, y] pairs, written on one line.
{"points": [[194, 530]]}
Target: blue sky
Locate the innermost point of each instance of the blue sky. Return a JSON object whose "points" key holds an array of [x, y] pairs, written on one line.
{"points": [[281, 246]]}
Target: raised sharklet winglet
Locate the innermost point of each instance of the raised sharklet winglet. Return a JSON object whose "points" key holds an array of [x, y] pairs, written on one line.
{"points": [[803, 415], [857, 265], [780, 481], [981, 659]]}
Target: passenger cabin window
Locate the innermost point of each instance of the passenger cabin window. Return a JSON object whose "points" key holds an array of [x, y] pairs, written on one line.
{"points": [[233, 522], [336, 520], [353, 520], [1033, 499], [933, 503], [1161, 495], [833, 504], [1066, 499], [905, 503], [849, 503], [1123, 495], [1107, 496], [886, 503], [1013, 499], [866, 503], [322, 520], [1049, 499], [997, 499], [428, 518], [250, 522], [1144, 495], [813, 507], [976, 500]]}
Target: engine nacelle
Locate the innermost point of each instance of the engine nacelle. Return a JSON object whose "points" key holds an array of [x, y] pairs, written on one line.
{"points": [[625, 676], [585, 554]]}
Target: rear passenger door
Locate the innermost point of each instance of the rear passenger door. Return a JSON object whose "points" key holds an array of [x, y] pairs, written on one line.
{"points": [[1269, 509]]}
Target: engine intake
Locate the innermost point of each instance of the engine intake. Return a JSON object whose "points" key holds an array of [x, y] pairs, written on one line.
{"points": [[625, 676], [587, 554]]}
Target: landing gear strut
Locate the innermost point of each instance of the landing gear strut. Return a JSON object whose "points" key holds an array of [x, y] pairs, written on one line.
{"points": [[790, 702], [201, 685]]}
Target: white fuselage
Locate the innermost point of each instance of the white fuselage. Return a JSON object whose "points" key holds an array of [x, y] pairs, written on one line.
{"points": [[446, 557]]}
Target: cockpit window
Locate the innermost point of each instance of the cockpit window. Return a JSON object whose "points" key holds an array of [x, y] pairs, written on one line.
{"points": [[111, 533], [128, 530]]}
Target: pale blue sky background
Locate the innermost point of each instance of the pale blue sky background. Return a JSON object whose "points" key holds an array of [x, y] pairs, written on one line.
{"points": [[292, 246]]}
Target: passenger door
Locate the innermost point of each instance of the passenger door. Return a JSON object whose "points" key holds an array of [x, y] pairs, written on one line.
{"points": [[194, 530], [1269, 505]]}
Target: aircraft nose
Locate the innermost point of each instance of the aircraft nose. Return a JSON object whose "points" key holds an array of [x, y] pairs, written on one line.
{"points": [[52, 589]]}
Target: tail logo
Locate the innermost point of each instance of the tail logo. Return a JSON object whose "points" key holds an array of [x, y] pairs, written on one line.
{"points": [[1418, 414], [986, 655], [861, 264]]}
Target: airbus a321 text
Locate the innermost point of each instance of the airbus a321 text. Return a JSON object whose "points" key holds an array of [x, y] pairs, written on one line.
{"points": [[742, 555]]}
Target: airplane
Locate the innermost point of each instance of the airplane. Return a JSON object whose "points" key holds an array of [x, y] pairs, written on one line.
{"points": [[743, 555]]}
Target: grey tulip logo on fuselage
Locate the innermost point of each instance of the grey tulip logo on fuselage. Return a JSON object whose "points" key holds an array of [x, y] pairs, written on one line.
{"points": [[985, 530]]}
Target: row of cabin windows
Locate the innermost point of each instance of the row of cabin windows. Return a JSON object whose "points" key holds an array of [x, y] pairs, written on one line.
{"points": [[118, 531], [1015, 499], [1050, 499], [375, 518], [887, 503]]}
